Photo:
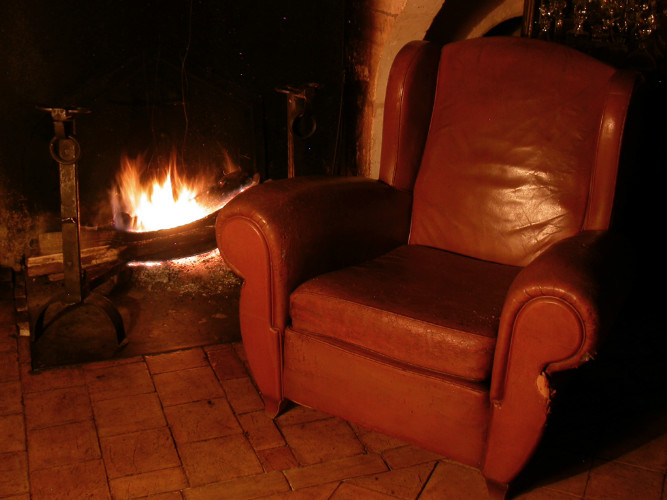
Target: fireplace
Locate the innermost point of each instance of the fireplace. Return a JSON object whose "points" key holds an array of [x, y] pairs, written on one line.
{"points": [[198, 77], [194, 82], [207, 83]]}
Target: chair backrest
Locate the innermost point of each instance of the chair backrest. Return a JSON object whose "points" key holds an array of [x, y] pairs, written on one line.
{"points": [[521, 148]]}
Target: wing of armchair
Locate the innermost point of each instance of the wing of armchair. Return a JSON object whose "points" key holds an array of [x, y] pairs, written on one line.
{"points": [[432, 304]]}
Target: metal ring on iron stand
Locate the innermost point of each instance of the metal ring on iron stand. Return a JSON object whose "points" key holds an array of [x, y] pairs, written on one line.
{"points": [[76, 150]]}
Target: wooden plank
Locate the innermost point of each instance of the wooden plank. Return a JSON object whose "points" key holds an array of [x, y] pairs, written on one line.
{"points": [[53, 264], [52, 243]]}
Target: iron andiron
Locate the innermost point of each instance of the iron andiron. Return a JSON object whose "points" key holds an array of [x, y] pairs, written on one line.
{"points": [[66, 151]]}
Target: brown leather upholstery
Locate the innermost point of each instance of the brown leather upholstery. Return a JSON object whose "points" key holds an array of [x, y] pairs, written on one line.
{"points": [[496, 183], [413, 304], [432, 304]]}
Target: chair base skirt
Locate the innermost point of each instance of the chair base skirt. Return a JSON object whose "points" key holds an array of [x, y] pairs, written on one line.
{"points": [[429, 410]]}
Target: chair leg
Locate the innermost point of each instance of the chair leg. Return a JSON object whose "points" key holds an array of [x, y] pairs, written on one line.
{"points": [[497, 491]]}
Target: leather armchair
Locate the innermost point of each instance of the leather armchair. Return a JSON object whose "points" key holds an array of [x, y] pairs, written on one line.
{"points": [[434, 303]]}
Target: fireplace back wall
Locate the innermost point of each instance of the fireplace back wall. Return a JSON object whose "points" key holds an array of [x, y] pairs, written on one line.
{"points": [[196, 73]]}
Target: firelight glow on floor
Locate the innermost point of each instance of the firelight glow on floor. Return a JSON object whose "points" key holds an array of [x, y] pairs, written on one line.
{"points": [[189, 424]]}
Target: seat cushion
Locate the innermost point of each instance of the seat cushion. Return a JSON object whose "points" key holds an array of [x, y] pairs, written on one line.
{"points": [[418, 305]]}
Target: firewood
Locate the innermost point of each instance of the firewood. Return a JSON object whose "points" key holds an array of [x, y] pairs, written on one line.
{"points": [[53, 264], [52, 243], [123, 246]]}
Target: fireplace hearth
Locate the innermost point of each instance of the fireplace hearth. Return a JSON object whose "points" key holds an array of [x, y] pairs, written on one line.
{"points": [[165, 306], [75, 317]]}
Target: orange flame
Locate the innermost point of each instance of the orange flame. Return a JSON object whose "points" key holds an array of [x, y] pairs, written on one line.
{"points": [[162, 201]]}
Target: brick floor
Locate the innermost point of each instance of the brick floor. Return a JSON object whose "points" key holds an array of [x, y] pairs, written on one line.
{"points": [[190, 425]]}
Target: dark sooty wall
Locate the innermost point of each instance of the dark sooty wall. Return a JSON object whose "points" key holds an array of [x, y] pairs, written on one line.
{"points": [[131, 62]]}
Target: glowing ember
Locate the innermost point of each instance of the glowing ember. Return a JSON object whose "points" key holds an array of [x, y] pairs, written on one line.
{"points": [[161, 201], [192, 260]]}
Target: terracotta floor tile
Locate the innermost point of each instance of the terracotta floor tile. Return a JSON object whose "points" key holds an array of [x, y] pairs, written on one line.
{"points": [[544, 493], [318, 492], [615, 480], [62, 445], [58, 406], [128, 414], [10, 398], [277, 459], [644, 443], [261, 430], [139, 452], [402, 483], [555, 469], [118, 380], [242, 488], [242, 395], [201, 420], [178, 360], [13, 473], [84, 480], [298, 414], [218, 459], [322, 440], [110, 363], [172, 495], [407, 456], [376, 442], [226, 363], [12, 433], [186, 386], [336, 470], [9, 366], [240, 351], [149, 483], [450, 480], [651, 454], [347, 491], [47, 380], [25, 496]]}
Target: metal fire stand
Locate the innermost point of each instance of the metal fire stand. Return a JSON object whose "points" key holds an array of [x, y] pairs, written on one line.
{"points": [[66, 151], [300, 120]]}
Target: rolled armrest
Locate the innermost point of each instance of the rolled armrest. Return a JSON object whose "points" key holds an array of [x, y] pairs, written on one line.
{"points": [[555, 314], [279, 234], [587, 275], [307, 226]]}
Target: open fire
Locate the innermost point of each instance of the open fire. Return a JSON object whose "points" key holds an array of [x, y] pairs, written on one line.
{"points": [[151, 199], [162, 201]]}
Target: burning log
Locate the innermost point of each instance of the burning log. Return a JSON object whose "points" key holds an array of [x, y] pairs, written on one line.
{"points": [[166, 244], [102, 247], [113, 246], [188, 239]]}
